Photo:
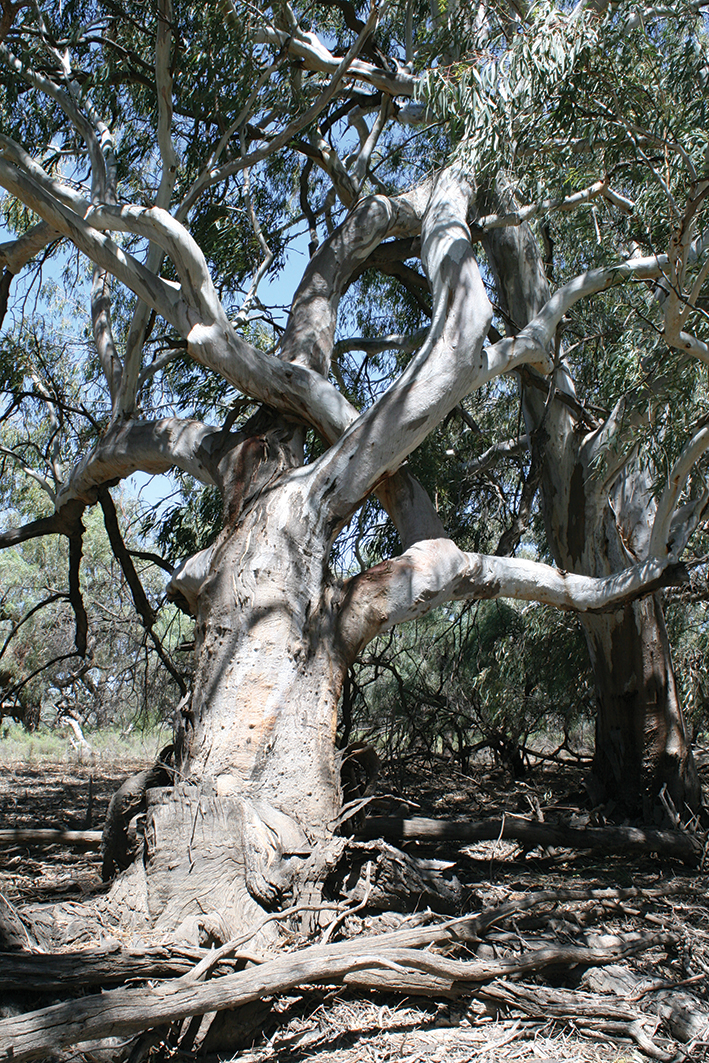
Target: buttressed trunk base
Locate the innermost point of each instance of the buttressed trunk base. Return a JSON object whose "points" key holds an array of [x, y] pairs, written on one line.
{"points": [[260, 783]]}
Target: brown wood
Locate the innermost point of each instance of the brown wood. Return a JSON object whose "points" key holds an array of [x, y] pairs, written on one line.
{"points": [[78, 839], [45, 970], [678, 844], [364, 962], [589, 1011]]}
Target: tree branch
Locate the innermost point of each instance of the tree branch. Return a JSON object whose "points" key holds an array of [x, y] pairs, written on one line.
{"points": [[58, 597], [162, 295], [15, 254], [667, 504], [141, 314], [146, 446], [309, 335], [316, 57], [140, 598], [448, 365], [434, 572], [63, 522], [213, 176], [75, 598]]}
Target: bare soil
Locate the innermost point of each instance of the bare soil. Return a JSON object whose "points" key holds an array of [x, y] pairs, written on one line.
{"points": [[343, 1026]]}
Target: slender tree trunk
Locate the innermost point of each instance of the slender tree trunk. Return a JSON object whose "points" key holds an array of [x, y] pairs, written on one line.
{"points": [[595, 525]]}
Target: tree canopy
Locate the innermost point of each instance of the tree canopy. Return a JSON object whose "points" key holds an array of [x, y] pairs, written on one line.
{"points": [[502, 300]]}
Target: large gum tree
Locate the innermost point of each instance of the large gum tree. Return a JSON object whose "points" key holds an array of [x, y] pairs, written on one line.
{"points": [[175, 148]]}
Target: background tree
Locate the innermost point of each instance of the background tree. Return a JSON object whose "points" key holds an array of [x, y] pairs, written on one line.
{"points": [[168, 151]]}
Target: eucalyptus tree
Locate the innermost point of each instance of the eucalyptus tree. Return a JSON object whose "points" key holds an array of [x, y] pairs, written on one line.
{"points": [[180, 150], [605, 99]]}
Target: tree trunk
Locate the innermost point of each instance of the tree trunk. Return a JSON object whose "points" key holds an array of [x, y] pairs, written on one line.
{"points": [[597, 520], [259, 782], [641, 743]]}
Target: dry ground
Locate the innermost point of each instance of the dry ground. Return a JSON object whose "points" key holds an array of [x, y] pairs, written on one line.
{"points": [[341, 1026]]}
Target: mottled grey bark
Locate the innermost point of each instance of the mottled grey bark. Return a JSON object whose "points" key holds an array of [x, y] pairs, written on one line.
{"points": [[597, 521]]}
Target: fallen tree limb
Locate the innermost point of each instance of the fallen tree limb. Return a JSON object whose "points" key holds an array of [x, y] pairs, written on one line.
{"points": [[41, 971], [590, 1011], [361, 962], [679, 845], [78, 839]]}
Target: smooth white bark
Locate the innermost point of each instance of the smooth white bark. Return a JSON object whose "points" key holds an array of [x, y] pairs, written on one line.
{"points": [[148, 446], [449, 364], [436, 571], [667, 503], [15, 254]]}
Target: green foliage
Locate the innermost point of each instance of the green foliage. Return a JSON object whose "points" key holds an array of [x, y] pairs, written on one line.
{"points": [[490, 675], [40, 671]]}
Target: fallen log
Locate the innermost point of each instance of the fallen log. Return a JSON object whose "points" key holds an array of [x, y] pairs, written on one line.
{"points": [[590, 1012], [42, 971], [679, 845], [361, 962], [77, 839]]}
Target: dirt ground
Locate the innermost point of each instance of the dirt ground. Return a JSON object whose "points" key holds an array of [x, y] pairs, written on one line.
{"points": [[340, 1026]]}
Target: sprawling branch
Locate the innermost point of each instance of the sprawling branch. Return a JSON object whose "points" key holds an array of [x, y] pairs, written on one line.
{"points": [[309, 335], [448, 366], [434, 572], [145, 446], [67, 103], [599, 189], [63, 522], [533, 341], [163, 296]]}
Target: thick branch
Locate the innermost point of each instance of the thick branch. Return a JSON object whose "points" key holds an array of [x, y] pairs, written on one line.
{"points": [[15, 254], [448, 366], [63, 522], [146, 446], [667, 504], [532, 342], [364, 962], [120, 552], [163, 296], [140, 598], [434, 572], [103, 332], [308, 338], [671, 843]]}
